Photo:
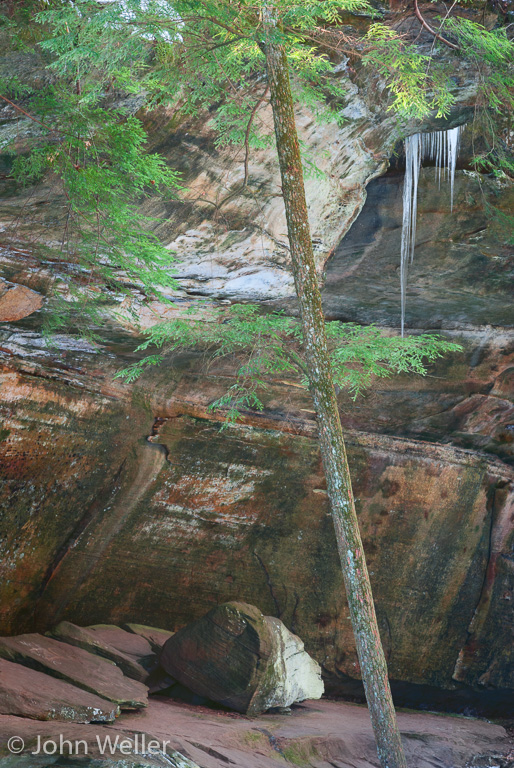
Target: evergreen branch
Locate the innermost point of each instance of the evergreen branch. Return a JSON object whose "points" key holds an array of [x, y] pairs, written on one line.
{"points": [[34, 119], [295, 359], [237, 33]]}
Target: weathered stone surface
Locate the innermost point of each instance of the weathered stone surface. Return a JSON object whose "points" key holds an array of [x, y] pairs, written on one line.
{"points": [[296, 676], [17, 301], [125, 641], [97, 642], [223, 656], [320, 734], [27, 693], [236, 656], [156, 637], [250, 506], [76, 666], [60, 445], [86, 746]]}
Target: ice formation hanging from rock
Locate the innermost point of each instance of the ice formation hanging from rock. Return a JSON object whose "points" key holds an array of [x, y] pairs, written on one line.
{"points": [[443, 148]]}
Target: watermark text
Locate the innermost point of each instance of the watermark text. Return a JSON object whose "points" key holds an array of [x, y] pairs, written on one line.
{"points": [[105, 744]]}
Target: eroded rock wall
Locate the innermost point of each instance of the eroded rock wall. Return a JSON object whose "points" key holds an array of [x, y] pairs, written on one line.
{"points": [[102, 524], [127, 503]]}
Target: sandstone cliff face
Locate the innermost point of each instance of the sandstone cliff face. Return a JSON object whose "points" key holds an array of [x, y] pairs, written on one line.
{"points": [[101, 524], [127, 503]]}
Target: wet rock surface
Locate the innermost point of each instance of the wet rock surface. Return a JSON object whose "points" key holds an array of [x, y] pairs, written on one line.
{"points": [[246, 661], [75, 666], [461, 275]]}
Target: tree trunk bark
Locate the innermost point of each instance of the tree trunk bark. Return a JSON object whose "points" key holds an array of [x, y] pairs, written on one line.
{"points": [[358, 589]]}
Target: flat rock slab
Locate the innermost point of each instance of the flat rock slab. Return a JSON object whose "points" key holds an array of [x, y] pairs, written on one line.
{"points": [[83, 746], [125, 641], [156, 637], [28, 693], [94, 641], [76, 666]]}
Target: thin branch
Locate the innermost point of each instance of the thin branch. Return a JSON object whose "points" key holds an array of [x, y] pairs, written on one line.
{"points": [[296, 359], [243, 186], [247, 152], [450, 9], [247, 135], [432, 31], [235, 32], [227, 78], [35, 120]]}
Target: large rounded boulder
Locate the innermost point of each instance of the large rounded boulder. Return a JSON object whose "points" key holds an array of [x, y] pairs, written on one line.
{"points": [[246, 661]]}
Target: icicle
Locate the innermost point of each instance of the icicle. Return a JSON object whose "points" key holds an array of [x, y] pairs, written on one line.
{"points": [[413, 146], [443, 148], [453, 150]]}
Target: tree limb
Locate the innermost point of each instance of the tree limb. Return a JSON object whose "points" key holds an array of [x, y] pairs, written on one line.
{"points": [[427, 26], [52, 130], [243, 186]]}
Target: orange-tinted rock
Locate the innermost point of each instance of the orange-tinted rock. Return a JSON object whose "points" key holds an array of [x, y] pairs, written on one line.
{"points": [[27, 693], [76, 666], [61, 443], [243, 514], [17, 301]]}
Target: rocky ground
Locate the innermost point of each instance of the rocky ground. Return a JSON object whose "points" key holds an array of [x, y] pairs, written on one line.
{"points": [[60, 703], [324, 734]]}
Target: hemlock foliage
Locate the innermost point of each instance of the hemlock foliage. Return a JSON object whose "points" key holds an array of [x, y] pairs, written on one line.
{"points": [[193, 55], [269, 345], [98, 157]]}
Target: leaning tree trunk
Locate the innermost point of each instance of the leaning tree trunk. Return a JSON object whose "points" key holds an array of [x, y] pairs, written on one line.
{"points": [[358, 589]]}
